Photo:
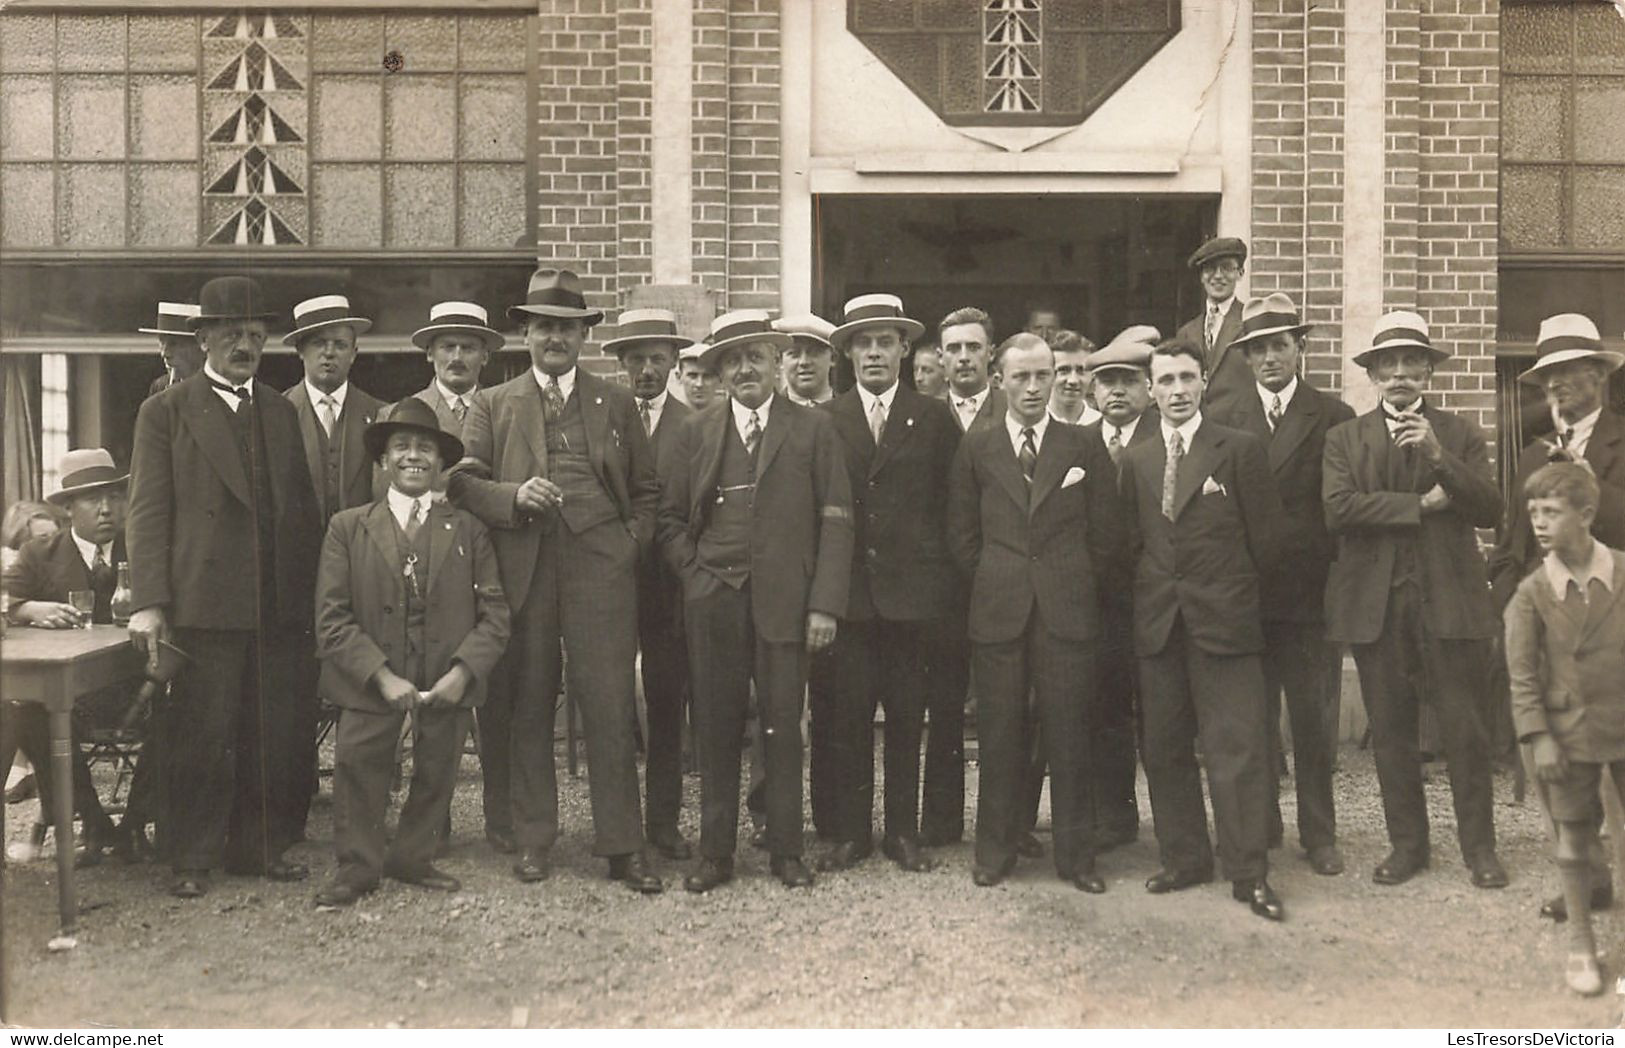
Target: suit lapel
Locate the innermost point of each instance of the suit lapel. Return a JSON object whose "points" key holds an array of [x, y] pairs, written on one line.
{"points": [[75, 573], [710, 459], [353, 422], [1229, 327], [205, 415], [778, 427], [1603, 448], [1002, 462], [310, 433], [380, 527], [1053, 456], [1197, 465], [595, 420], [899, 424], [527, 415], [442, 531], [1296, 423]]}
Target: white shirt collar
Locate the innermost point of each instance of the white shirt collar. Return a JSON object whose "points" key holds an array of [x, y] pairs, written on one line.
{"points": [[400, 504], [1389, 416], [1015, 427], [1267, 396], [742, 414], [338, 396], [657, 404], [1187, 430], [1124, 433], [1601, 568], [1088, 415], [973, 402], [797, 398], [1222, 308], [87, 549], [451, 398], [567, 381], [867, 399], [231, 400], [1582, 429]]}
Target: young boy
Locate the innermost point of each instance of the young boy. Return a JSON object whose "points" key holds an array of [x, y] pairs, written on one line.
{"points": [[1565, 642], [410, 617]]}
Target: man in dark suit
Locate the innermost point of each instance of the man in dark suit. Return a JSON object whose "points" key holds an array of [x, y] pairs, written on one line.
{"points": [[177, 343], [410, 619], [1405, 484], [1219, 263], [967, 352], [646, 342], [558, 467], [897, 624], [458, 341], [1573, 369], [223, 532], [1291, 417], [756, 519], [83, 556], [1034, 522], [1203, 510], [333, 417]]}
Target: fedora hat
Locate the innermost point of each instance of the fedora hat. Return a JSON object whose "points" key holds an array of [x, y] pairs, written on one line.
{"points": [[84, 470], [1565, 337], [469, 317], [414, 415], [1270, 315], [555, 293], [1398, 329], [1219, 247], [1129, 351], [874, 311], [230, 298], [173, 319], [644, 325], [809, 326], [736, 329], [313, 314]]}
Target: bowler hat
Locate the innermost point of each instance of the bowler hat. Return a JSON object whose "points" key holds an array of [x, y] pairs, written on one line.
{"points": [[644, 325], [469, 317], [555, 293], [230, 298], [415, 416], [84, 470], [874, 311], [173, 318], [1219, 247], [313, 314], [736, 329], [1399, 329], [1565, 337], [1270, 315]]}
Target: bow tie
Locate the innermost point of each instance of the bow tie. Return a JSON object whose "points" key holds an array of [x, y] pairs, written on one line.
{"points": [[240, 392]]}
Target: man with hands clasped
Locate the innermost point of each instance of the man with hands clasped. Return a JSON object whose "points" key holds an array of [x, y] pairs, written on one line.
{"points": [[410, 618]]}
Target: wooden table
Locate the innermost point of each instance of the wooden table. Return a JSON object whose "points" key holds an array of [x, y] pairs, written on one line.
{"points": [[55, 668]]}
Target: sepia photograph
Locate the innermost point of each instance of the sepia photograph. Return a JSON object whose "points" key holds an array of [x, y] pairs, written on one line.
{"points": [[812, 514]]}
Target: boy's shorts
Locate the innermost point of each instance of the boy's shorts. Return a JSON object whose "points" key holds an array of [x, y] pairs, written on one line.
{"points": [[1573, 798]]}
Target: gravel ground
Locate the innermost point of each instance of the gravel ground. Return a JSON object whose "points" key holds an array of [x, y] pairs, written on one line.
{"points": [[870, 947]]}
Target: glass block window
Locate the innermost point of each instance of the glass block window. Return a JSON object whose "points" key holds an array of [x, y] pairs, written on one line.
{"points": [[1562, 139], [272, 130]]}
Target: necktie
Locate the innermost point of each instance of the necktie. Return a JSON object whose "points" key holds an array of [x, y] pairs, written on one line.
{"points": [[552, 399], [329, 415], [966, 409], [1275, 412], [1566, 438], [1211, 334], [459, 408], [242, 393], [753, 433], [414, 521], [101, 575], [1029, 453], [643, 412], [877, 420], [1114, 446], [1170, 473]]}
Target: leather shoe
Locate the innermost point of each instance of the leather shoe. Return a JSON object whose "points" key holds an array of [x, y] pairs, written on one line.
{"points": [[668, 842], [531, 866], [1488, 872], [710, 873], [1557, 908], [1326, 860], [425, 876], [341, 893], [1165, 881], [843, 856], [906, 853], [1087, 880], [1398, 868], [1260, 898], [983, 877], [284, 871], [190, 884], [1029, 847], [634, 870], [501, 841], [790, 870]]}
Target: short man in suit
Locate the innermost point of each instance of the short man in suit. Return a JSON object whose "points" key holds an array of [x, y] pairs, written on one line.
{"points": [[701, 385], [410, 553], [1034, 522], [82, 556], [1219, 263], [1202, 508], [1070, 403], [967, 351], [1291, 417], [646, 342], [458, 341], [177, 343], [1405, 486], [756, 519], [224, 531], [896, 628], [558, 467], [1572, 368], [809, 363]]}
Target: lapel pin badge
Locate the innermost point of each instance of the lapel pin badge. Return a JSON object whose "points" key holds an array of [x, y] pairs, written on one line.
{"points": [[910, 421]]}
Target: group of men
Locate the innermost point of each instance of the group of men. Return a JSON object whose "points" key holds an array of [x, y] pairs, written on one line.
{"points": [[1148, 547]]}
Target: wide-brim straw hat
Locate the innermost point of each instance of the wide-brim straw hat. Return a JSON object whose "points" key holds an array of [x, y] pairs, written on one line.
{"points": [[874, 311], [645, 325], [466, 317], [736, 329], [174, 318], [1565, 337], [1398, 330]]}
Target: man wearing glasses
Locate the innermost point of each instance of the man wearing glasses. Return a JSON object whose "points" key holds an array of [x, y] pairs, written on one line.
{"points": [[1220, 263]]}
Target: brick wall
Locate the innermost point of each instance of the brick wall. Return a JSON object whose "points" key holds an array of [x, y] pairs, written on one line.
{"points": [[753, 154]]}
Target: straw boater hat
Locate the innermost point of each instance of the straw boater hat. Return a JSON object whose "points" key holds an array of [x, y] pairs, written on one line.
{"points": [[874, 311], [1270, 315], [1219, 247], [230, 298], [414, 415], [808, 327], [85, 470], [736, 329], [313, 314], [555, 293], [1398, 329], [172, 320], [1129, 351], [446, 317], [645, 325], [1566, 337]]}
